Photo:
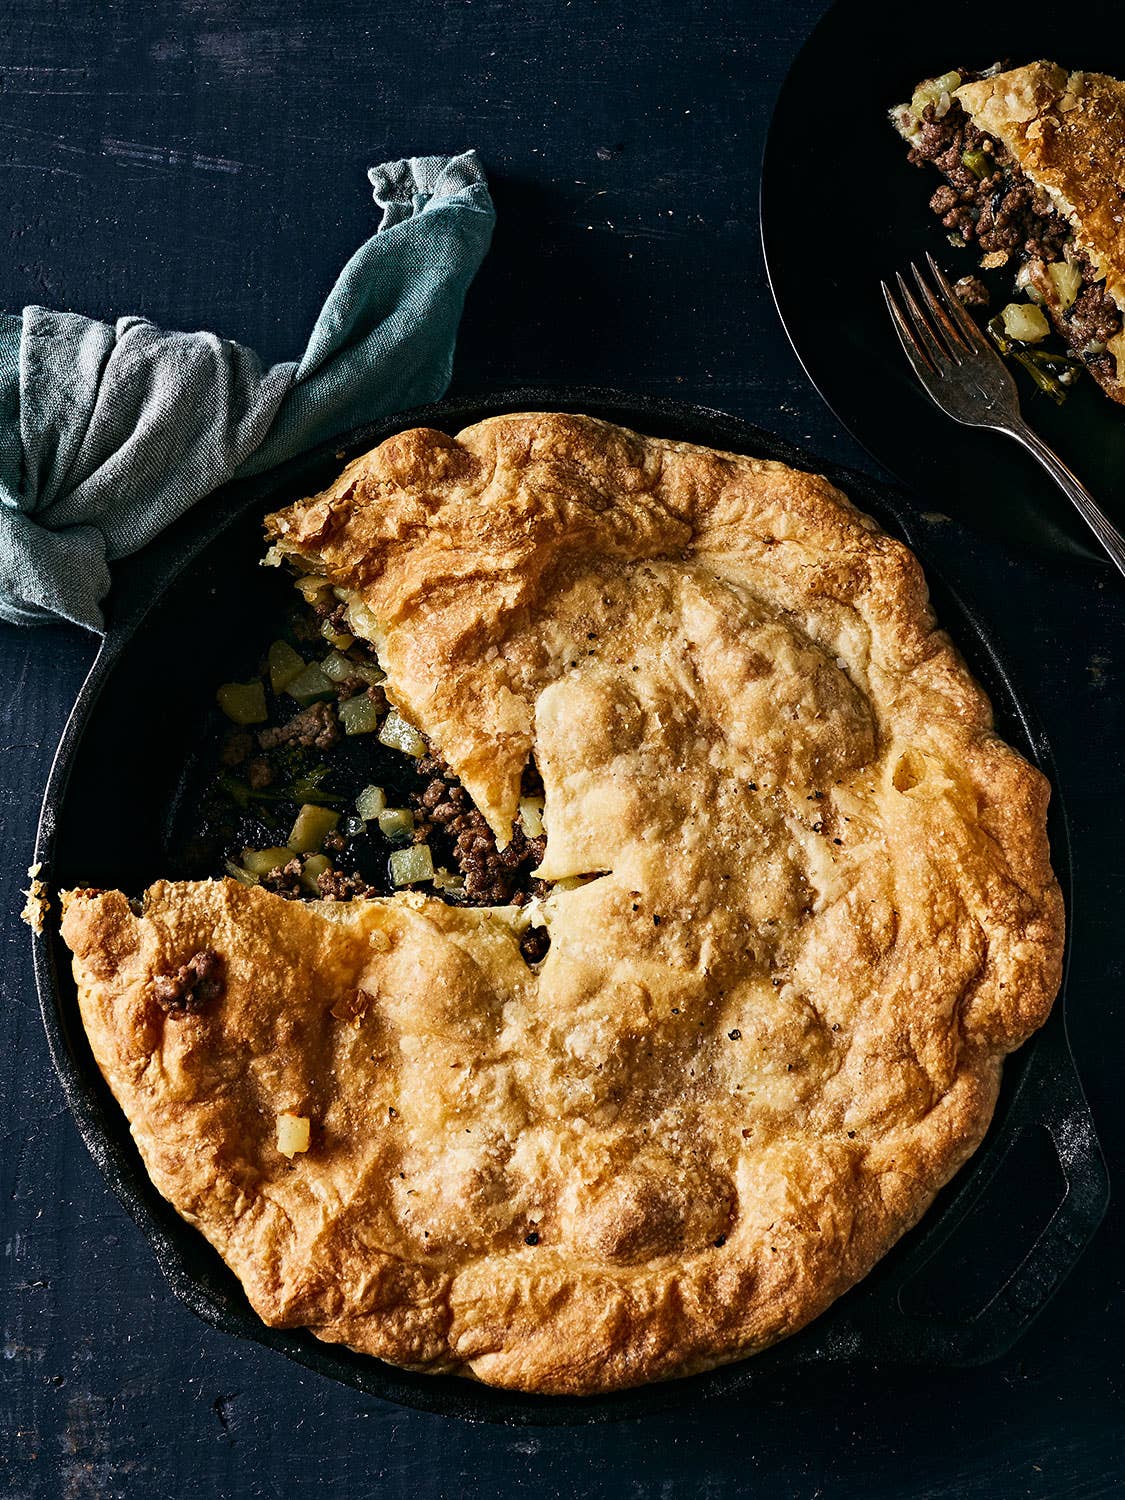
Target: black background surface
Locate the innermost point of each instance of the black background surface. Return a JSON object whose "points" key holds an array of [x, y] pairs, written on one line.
{"points": [[203, 163]]}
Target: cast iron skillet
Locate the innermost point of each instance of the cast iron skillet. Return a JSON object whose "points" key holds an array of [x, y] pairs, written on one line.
{"points": [[956, 1291]]}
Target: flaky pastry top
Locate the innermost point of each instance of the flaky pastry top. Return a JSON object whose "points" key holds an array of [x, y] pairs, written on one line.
{"points": [[818, 910]]}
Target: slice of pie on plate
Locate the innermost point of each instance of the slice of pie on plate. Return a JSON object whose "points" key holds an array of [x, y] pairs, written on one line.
{"points": [[1034, 162], [801, 907]]}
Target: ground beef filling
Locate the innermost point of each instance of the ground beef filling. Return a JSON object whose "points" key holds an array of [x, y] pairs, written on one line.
{"points": [[1000, 211], [458, 835], [971, 291], [996, 208], [305, 756], [452, 826], [1094, 318], [192, 986], [315, 726], [534, 944], [286, 879]]}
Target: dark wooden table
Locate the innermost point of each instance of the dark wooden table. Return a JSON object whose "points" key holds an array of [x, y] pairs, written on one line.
{"points": [[202, 162]]}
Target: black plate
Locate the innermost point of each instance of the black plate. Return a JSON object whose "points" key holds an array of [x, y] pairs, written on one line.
{"points": [[959, 1290], [842, 208]]}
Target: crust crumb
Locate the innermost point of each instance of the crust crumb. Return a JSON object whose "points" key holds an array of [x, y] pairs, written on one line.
{"points": [[38, 902]]}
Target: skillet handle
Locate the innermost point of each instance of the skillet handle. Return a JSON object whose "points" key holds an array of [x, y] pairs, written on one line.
{"points": [[883, 1329], [1059, 1107]]}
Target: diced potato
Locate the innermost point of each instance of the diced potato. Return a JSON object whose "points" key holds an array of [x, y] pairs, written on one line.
{"points": [[337, 667], [1025, 322], [370, 673], [314, 867], [310, 684], [361, 620], [284, 664], [1068, 282], [242, 875], [531, 816], [933, 91], [396, 824], [261, 861], [360, 715], [371, 802], [311, 584], [244, 702], [397, 734], [1029, 280], [408, 866], [293, 1134], [336, 637], [312, 827]]}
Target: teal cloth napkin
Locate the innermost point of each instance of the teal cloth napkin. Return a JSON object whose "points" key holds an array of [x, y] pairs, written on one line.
{"points": [[108, 434]]}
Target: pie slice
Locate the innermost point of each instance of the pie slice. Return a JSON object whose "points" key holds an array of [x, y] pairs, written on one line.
{"points": [[1034, 161], [800, 906]]}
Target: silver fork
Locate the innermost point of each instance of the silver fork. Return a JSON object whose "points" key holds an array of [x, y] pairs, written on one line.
{"points": [[964, 375]]}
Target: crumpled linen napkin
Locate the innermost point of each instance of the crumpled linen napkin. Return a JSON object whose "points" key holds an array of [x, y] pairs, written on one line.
{"points": [[108, 434]]}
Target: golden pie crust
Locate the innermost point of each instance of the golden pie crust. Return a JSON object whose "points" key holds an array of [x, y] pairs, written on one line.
{"points": [[762, 1039], [1067, 132]]}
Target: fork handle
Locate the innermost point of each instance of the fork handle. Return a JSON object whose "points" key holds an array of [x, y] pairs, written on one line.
{"points": [[1075, 491]]}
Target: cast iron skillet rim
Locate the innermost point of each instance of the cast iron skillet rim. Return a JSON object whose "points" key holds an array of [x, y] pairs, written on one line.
{"points": [[120, 1165]]}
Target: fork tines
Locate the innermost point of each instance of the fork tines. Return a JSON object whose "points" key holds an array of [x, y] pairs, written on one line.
{"points": [[964, 376], [947, 337]]}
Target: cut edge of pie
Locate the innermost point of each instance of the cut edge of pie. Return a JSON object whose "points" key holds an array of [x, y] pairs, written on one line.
{"points": [[1064, 133]]}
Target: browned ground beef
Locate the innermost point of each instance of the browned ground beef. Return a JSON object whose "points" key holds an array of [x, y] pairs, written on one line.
{"points": [[192, 986], [1095, 318], [334, 885], [331, 610], [316, 726], [1015, 216], [459, 837], [238, 745], [273, 759], [351, 687], [1004, 212], [998, 211], [285, 880], [259, 773], [534, 944], [971, 291], [446, 816]]}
